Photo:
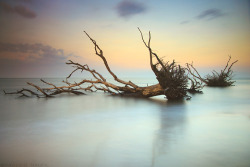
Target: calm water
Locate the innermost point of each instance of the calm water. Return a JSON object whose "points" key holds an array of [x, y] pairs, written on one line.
{"points": [[212, 129]]}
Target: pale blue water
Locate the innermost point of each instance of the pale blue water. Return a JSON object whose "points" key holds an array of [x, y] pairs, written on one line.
{"points": [[212, 129]]}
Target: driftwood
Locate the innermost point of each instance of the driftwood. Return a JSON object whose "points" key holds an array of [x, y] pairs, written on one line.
{"points": [[222, 79], [173, 79], [196, 86]]}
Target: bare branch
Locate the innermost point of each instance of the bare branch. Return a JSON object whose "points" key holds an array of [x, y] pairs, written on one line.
{"points": [[99, 52], [195, 74], [40, 89], [229, 69], [151, 53], [23, 94], [226, 64]]}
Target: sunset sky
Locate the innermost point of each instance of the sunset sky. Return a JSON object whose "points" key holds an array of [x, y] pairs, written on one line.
{"points": [[37, 37]]}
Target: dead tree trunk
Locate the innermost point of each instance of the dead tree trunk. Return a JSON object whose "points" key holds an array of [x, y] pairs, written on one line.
{"points": [[222, 79], [172, 80], [171, 77]]}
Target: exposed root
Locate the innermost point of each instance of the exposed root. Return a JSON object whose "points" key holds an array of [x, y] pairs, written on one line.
{"points": [[222, 79]]}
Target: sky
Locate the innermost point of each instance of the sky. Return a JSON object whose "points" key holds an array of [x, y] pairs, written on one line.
{"points": [[37, 37]]}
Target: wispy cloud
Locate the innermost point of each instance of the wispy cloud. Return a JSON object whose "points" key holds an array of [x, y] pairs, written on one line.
{"points": [[25, 12], [210, 14], [128, 8], [32, 52], [24, 1], [185, 22], [32, 60], [18, 9]]}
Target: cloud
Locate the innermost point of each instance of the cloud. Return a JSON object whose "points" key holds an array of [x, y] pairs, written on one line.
{"points": [[128, 8], [24, 1], [6, 7], [32, 60], [32, 53], [210, 14], [18, 9], [185, 22], [25, 12]]}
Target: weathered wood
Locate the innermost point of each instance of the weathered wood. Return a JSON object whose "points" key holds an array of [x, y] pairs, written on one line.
{"points": [[172, 78], [222, 79]]}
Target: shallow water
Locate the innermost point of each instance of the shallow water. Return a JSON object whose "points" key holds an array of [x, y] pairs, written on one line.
{"points": [[211, 129]]}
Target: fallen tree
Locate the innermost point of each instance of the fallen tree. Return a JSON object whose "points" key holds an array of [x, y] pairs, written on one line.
{"points": [[216, 79], [172, 80]]}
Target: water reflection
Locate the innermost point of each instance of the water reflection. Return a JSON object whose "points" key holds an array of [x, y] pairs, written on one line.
{"points": [[106, 131], [95, 130], [172, 120]]}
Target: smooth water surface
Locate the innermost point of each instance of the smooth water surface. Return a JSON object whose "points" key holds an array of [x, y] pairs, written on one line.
{"points": [[97, 130]]}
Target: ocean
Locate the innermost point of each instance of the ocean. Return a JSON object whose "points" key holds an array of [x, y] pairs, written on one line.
{"points": [[98, 130]]}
